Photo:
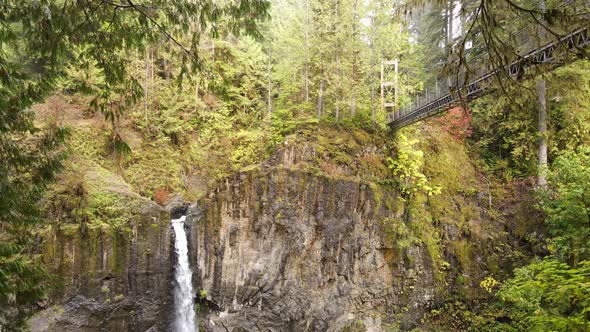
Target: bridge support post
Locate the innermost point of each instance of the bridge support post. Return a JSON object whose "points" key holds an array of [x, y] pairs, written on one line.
{"points": [[389, 86]]}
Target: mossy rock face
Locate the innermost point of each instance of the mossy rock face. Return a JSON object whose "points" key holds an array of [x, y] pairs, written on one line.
{"points": [[334, 249], [330, 246], [108, 252], [335, 151]]}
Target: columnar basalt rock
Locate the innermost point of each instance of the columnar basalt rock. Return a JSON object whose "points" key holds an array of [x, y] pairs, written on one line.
{"points": [[112, 279], [278, 249]]}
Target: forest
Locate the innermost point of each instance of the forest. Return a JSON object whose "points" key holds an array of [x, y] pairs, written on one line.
{"points": [[283, 165]]}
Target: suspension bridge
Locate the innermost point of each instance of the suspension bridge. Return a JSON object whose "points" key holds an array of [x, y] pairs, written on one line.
{"points": [[550, 55]]}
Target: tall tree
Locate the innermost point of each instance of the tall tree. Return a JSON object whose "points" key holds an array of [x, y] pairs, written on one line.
{"points": [[542, 118], [354, 71], [307, 28], [269, 89], [542, 94]]}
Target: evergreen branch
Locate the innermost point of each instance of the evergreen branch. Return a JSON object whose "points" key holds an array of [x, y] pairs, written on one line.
{"points": [[161, 28], [88, 16], [533, 14], [119, 5]]}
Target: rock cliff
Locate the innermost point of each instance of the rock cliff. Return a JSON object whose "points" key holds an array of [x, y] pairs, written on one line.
{"points": [[109, 256], [279, 246]]}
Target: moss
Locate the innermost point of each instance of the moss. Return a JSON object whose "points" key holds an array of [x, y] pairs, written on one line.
{"points": [[256, 167], [341, 151], [120, 245], [423, 228], [390, 204], [447, 162], [493, 264], [458, 211], [397, 234], [462, 250], [100, 212], [355, 326], [154, 166], [377, 197], [87, 142]]}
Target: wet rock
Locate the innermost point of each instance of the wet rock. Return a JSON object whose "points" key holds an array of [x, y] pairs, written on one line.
{"points": [[177, 207], [110, 278], [283, 250]]}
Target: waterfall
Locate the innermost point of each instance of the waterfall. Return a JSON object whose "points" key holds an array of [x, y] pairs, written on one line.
{"points": [[184, 320]]}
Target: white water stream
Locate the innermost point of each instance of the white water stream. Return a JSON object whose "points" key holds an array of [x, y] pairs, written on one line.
{"points": [[184, 320]]}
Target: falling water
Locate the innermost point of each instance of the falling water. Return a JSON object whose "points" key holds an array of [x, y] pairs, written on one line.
{"points": [[184, 320]]}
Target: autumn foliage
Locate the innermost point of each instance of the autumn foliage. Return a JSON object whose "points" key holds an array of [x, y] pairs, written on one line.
{"points": [[161, 196], [457, 122]]}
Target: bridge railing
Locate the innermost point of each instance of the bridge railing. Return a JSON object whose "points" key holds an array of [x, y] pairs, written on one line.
{"points": [[441, 92]]}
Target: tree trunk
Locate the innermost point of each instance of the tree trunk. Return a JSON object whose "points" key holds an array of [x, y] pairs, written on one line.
{"points": [[145, 83], [336, 51], [372, 71], [542, 165], [353, 104], [269, 100], [450, 16], [152, 56], [212, 50], [542, 124], [449, 37], [320, 108], [372, 104], [197, 88], [381, 88], [337, 104], [354, 71], [306, 50]]}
